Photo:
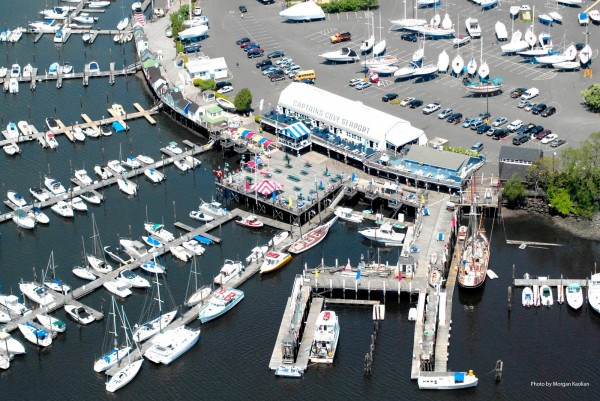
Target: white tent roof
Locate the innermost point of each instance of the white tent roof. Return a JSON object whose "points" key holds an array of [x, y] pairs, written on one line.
{"points": [[202, 65], [193, 32], [349, 115], [303, 11]]}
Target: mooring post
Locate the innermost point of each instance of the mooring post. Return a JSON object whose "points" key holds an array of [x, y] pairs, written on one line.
{"points": [[509, 297]]}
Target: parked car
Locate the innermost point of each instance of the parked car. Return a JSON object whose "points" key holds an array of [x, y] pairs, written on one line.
{"points": [[274, 71], [522, 103], [557, 142], [485, 115], [524, 129], [191, 49], [413, 104], [277, 77], [308, 81], [535, 131], [454, 118], [389, 96], [491, 131], [225, 89], [521, 139], [467, 122], [242, 40], [291, 68], [275, 54], [517, 92], [253, 46], [406, 101], [363, 85], [445, 113], [255, 53], [549, 138], [411, 37], [542, 135], [515, 125], [538, 108], [243, 9], [530, 106], [430, 108], [499, 121], [476, 123], [477, 147], [355, 81], [222, 84], [268, 67], [530, 93], [244, 44], [500, 133], [263, 63], [482, 129], [548, 111], [284, 60]]}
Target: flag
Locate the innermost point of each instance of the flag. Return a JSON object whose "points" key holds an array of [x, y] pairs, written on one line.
{"points": [[274, 196], [320, 184], [422, 199], [399, 275], [247, 185], [358, 273], [353, 177], [316, 273], [290, 202]]}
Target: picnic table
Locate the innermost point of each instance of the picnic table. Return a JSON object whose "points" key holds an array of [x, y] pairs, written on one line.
{"points": [[303, 172], [278, 170], [293, 178]]}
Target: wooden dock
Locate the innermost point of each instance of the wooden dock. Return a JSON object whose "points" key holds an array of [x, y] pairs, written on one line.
{"points": [[146, 115], [309, 333], [550, 282]]}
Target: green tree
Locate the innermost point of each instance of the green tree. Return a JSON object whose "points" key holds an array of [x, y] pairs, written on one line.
{"points": [[560, 200], [591, 97], [208, 84], [514, 192], [540, 174], [243, 100]]}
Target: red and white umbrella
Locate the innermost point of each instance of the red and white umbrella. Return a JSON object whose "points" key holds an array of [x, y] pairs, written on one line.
{"points": [[266, 187]]}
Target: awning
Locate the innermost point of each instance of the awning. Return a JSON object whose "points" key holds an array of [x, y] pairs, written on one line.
{"points": [[249, 135], [262, 141], [257, 138], [267, 143], [296, 131], [266, 187], [243, 132]]}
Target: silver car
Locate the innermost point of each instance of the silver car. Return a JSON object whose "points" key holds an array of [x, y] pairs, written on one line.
{"points": [[499, 121]]}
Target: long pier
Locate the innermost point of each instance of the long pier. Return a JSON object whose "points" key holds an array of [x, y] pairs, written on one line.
{"points": [[555, 282]]}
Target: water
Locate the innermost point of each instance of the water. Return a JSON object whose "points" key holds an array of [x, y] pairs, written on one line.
{"points": [[231, 359]]}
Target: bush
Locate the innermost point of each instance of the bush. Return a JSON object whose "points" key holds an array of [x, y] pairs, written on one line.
{"points": [[338, 6], [243, 100], [514, 192], [197, 82], [591, 97], [257, 119], [179, 47]]}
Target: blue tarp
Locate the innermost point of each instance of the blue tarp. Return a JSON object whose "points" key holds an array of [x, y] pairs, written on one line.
{"points": [[117, 126], [203, 240]]}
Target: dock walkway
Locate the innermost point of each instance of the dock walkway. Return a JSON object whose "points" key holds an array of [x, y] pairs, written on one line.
{"points": [[309, 333]]}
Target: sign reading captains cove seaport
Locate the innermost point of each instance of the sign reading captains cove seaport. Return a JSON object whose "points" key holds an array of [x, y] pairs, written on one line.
{"points": [[330, 117]]}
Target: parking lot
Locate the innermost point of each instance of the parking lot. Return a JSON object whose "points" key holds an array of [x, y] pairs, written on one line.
{"points": [[305, 41]]}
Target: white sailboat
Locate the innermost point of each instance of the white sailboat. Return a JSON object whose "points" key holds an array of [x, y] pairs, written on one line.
{"points": [[379, 47], [516, 44], [52, 282], [35, 335], [96, 259], [197, 293], [155, 324], [472, 66], [51, 323], [569, 55], [116, 351], [443, 62], [408, 22]]}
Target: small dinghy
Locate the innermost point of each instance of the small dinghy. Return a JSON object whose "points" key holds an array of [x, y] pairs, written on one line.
{"points": [[527, 297], [198, 215], [574, 296], [289, 371], [546, 297]]}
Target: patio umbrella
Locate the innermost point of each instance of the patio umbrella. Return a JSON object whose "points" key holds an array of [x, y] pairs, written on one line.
{"points": [[266, 187]]}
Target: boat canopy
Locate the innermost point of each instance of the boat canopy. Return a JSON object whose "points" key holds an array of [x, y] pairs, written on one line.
{"points": [[203, 240], [117, 126]]}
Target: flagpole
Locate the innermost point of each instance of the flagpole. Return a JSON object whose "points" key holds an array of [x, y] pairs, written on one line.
{"points": [[318, 203]]}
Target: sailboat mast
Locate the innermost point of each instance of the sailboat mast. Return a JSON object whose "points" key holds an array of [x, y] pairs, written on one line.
{"points": [[115, 335], [158, 300]]}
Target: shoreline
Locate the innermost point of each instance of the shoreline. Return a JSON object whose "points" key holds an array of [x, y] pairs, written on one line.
{"points": [[582, 227]]}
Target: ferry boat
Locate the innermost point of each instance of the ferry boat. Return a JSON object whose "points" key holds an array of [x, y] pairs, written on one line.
{"points": [[447, 380], [311, 238], [220, 303], [476, 255], [326, 338], [274, 261], [574, 296]]}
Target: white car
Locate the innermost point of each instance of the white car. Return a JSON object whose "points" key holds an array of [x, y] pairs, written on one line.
{"points": [[530, 93], [499, 121], [363, 85], [430, 108], [225, 89], [515, 125], [445, 113], [284, 60], [549, 138], [197, 11], [355, 81]]}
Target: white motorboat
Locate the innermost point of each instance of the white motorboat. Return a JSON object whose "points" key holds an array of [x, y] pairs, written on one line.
{"points": [[118, 287], [304, 11], [123, 24], [78, 134], [229, 270], [79, 314], [327, 333], [384, 233], [24, 127], [11, 345], [447, 380], [85, 18], [134, 248], [99, 265], [132, 162], [35, 335], [406, 72], [53, 69], [118, 254], [514, 11], [159, 231], [192, 161], [154, 175], [367, 45], [348, 214], [84, 273], [37, 293], [169, 345], [50, 140], [41, 194], [180, 253], [427, 3], [63, 209], [12, 131], [39, 216], [594, 292], [104, 172], [59, 35], [94, 69], [90, 197], [214, 208], [527, 297], [126, 186], [194, 247], [51, 323], [221, 301], [257, 253], [91, 132], [77, 204], [289, 371], [27, 71], [15, 71], [408, 22], [153, 267], [574, 296], [145, 159], [16, 198], [22, 219], [13, 85], [487, 4], [501, 33], [98, 3], [546, 297], [585, 54], [82, 177], [378, 61], [181, 165], [174, 148], [152, 242], [443, 62], [54, 186], [473, 27], [116, 167], [343, 55], [52, 124], [124, 375], [134, 280], [45, 26], [11, 149], [11, 302], [200, 215], [57, 12]]}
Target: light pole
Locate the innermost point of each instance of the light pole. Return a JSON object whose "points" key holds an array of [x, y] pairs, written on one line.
{"points": [[553, 154]]}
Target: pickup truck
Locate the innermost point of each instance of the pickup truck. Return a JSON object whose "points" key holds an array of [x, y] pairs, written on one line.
{"points": [[341, 37]]}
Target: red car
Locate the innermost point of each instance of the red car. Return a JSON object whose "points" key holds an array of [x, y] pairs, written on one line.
{"points": [[244, 44]]}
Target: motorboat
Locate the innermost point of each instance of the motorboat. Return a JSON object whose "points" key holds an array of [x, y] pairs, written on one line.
{"points": [[12, 131], [24, 128], [12, 345], [123, 23], [546, 297], [427, 3], [53, 69], [90, 197], [408, 23], [484, 86], [93, 68], [146, 330], [425, 70], [385, 233], [327, 333], [257, 253], [98, 3], [15, 71], [458, 64], [82, 177], [51, 140], [170, 344], [583, 18], [63, 209], [229, 270], [250, 221], [22, 219], [180, 253], [153, 267], [127, 186], [501, 33], [91, 132], [545, 19], [79, 314], [379, 61], [311, 238], [51, 323], [154, 175], [116, 167], [486, 4], [343, 55], [574, 296], [594, 292], [78, 134], [174, 148], [514, 11], [99, 265], [37, 293], [134, 248], [214, 208], [569, 55], [52, 124], [132, 162], [194, 247], [59, 35], [133, 280], [273, 261], [145, 159], [152, 242], [220, 302], [348, 214], [85, 18], [556, 17], [103, 172], [35, 335], [16, 199], [443, 62], [473, 27], [11, 302], [304, 11], [118, 254], [11, 149], [41, 194], [200, 215], [196, 21], [367, 45], [13, 85], [406, 72], [118, 287], [57, 12], [27, 71], [38, 215], [446, 380], [182, 165], [159, 231], [289, 371], [84, 273]]}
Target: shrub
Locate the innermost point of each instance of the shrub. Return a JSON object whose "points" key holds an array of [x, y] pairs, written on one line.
{"points": [[257, 119], [243, 100], [197, 82], [591, 97], [338, 6], [514, 192]]}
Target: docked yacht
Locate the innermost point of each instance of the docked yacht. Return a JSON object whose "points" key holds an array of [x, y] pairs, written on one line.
{"points": [[11, 149], [327, 333], [35, 335], [16, 199], [98, 265], [170, 344], [127, 186], [51, 323], [199, 215], [343, 55], [118, 254], [159, 231], [144, 159], [15, 71], [214, 208], [447, 380], [118, 287], [41, 194], [546, 297], [229, 270], [473, 27], [154, 175], [22, 219], [54, 186], [134, 280], [57, 12], [194, 247], [274, 260], [103, 172], [12, 131], [90, 197], [180, 253], [347, 214], [36, 293], [501, 33], [77, 204], [134, 248], [82, 177], [11, 302], [79, 314], [39, 216], [220, 302], [116, 167], [384, 233], [63, 209]]}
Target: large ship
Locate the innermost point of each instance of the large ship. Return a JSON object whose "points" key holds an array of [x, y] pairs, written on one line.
{"points": [[476, 254]]}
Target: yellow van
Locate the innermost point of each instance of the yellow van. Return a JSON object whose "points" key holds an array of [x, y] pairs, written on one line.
{"points": [[307, 74]]}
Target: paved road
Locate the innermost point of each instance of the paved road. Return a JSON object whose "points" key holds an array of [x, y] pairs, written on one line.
{"points": [[305, 41]]}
